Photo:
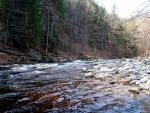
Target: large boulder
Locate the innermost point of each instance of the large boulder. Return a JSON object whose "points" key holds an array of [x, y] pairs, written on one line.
{"points": [[35, 56]]}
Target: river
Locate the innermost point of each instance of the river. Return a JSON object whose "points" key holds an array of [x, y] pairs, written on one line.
{"points": [[56, 88]]}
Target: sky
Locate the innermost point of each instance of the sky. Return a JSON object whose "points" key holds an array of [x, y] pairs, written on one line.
{"points": [[125, 8]]}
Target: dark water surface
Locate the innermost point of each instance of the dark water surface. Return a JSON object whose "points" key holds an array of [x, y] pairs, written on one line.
{"points": [[53, 88]]}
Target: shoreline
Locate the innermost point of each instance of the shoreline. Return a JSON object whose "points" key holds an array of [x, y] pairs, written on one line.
{"points": [[134, 71]]}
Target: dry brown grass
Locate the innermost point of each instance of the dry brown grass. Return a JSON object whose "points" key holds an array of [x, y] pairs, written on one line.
{"points": [[4, 58]]}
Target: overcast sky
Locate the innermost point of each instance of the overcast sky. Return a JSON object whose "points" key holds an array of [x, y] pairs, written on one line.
{"points": [[125, 8]]}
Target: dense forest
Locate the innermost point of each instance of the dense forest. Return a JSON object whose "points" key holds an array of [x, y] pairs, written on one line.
{"points": [[71, 27]]}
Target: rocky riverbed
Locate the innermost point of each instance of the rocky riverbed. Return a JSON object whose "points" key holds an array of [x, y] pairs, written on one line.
{"points": [[127, 71], [81, 86]]}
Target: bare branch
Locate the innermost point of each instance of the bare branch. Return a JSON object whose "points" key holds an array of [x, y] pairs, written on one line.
{"points": [[142, 22], [142, 10]]}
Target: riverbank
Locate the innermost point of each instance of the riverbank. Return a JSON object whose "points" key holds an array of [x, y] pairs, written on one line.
{"points": [[134, 71], [11, 55]]}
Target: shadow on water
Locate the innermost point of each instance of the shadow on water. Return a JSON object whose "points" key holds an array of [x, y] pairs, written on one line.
{"points": [[59, 88]]}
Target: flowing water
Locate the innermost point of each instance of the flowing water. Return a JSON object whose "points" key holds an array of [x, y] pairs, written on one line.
{"points": [[56, 88]]}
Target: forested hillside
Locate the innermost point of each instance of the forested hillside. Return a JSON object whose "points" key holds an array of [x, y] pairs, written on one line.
{"points": [[71, 27], [141, 25]]}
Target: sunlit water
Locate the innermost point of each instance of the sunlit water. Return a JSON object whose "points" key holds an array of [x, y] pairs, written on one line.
{"points": [[56, 88]]}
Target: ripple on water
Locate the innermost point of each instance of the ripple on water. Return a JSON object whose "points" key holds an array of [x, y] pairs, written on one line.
{"points": [[57, 90]]}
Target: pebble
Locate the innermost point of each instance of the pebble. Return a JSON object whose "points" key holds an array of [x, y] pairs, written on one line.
{"points": [[98, 75], [148, 71], [90, 70], [96, 66], [148, 82], [104, 69], [113, 82], [144, 79], [133, 82], [131, 77], [134, 90], [138, 82], [126, 80], [125, 74], [84, 69], [90, 74]]}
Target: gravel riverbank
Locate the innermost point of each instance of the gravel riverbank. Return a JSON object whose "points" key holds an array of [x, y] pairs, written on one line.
{"points": [[128, 71]]}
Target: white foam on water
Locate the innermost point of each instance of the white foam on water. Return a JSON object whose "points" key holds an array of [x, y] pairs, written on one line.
{"points": [[44, 66], [33, 67]]}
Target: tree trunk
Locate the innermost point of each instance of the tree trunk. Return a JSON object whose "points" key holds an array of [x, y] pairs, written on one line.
{"points": [[47, 29]]}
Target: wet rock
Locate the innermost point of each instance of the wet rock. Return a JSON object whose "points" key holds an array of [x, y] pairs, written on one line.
{"points": [[96, 66], [146, 87], [131, 71], [126, 80], [129, 60], [148, 71], [133, 77], [138, 82], [101, 75], [144, 79], [148, 82], [133, 81], [147, 91], [116, 72], [126, 68], [124, 74], [146, 62], [104, 69], [98, 75], [84, 69], [2, 67], [91, 70], [34, 56], [134, 90], [90, 74], [113, 82], [112, 65]]}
